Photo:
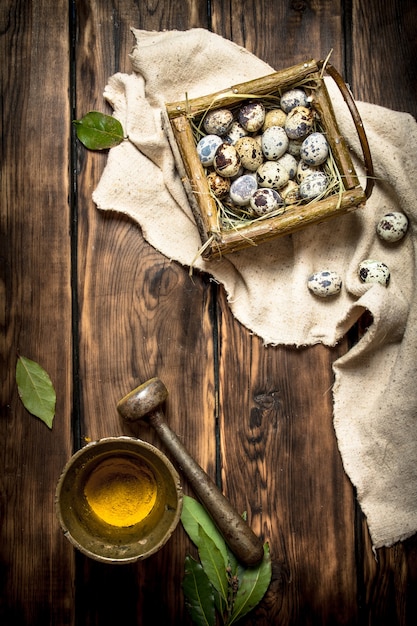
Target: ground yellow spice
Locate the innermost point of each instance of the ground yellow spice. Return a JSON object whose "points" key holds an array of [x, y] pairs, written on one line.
{"points": [[121, 492]]}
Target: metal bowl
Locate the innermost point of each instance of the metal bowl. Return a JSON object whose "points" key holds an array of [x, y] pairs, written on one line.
{"points": [[118, 500]]}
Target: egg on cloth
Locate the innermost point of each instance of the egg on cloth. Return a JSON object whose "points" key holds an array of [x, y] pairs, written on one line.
{"points": [[314, 149], [373, 271], [226, 160], [252, 116], [325, 283], [206, 149], [392, 226], [218, 121], [274, 142], [265, 200], [242, 189]]}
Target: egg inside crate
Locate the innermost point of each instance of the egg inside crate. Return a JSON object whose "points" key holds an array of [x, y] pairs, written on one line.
{"points": [[252, 116], [218, 121], [293, 98], [226, 160], [206, 149], [265, 200], [242, 189], [314, 149], [274, 142]]}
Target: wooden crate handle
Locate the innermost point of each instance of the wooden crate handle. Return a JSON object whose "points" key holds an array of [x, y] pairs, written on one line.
{"points": [[347, 96]]}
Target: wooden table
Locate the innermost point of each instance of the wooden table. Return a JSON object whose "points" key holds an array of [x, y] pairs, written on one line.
{"points": [[86, 297]]}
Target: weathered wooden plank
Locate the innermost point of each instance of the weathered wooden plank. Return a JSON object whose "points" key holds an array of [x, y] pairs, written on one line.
{"points": [[36, 564], [140, 316], [283, 33], [383, 52]]}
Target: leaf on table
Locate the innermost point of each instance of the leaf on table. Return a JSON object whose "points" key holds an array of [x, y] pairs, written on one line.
{"points": [[193, 517], [213, 563], [198, 592], [98, 131], [252, 587], [36, 390]]}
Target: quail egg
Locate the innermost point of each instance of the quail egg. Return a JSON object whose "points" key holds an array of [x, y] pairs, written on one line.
{"points": [[290, 164], [226, 160], [264, 201], [314, 149], [392, 227], [218, 121], [290, 193], [218, 185], [294, 98], [304, 170], [252, 116], [250, 153], [274, 142], [242, 189], [372, 271], [299, 122], [274, 117], [313, 185], [235, 132], [325, 283], [273, 175], [206, 149]]}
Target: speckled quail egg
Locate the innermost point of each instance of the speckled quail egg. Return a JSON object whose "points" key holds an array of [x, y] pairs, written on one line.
{"points": [[372, 271], [218, 185], [294, 98], [290, 193], [218, 121], [274, 142], [274, 117], [252, 116], [272, 174], [299, 122], [206, 149], [290, 164], [226, 160], [313, 185], [235, 132], [304, 170], [325, 283], [264, 201], [250, 153], [242, 189], [392, 226], [314, 149], [294, 147]]}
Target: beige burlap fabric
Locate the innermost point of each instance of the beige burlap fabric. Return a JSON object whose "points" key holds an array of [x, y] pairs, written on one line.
{"points": [[375, 394]]}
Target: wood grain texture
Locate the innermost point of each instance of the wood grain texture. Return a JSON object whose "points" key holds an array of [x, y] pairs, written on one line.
{"points": [[36, 565]]}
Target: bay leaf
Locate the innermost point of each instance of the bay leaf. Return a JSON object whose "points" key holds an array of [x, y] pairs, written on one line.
{"points": [[213, 563], [253, 584], [36, 390], [198, 593], [98, 131], [194, 516]]}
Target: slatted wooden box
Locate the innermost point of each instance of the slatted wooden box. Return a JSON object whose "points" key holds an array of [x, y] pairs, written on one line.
{"points": [[218, 236]]}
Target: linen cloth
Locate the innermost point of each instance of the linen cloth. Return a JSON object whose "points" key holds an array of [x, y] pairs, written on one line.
{"points": [[375, 392]]}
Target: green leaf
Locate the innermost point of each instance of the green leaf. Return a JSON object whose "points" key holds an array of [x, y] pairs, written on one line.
{"points": [[213, 563], [36, 390], [98, 131], [253, 584], [194, 516], [198, 592]]}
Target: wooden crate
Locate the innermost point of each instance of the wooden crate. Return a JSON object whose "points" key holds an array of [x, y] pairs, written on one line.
{"points": [[183, 117]]}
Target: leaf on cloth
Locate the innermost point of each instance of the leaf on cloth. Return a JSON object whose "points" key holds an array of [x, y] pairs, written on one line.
{"points": [[36, 390], [253, 584], [198, 594], [98, 131]]}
